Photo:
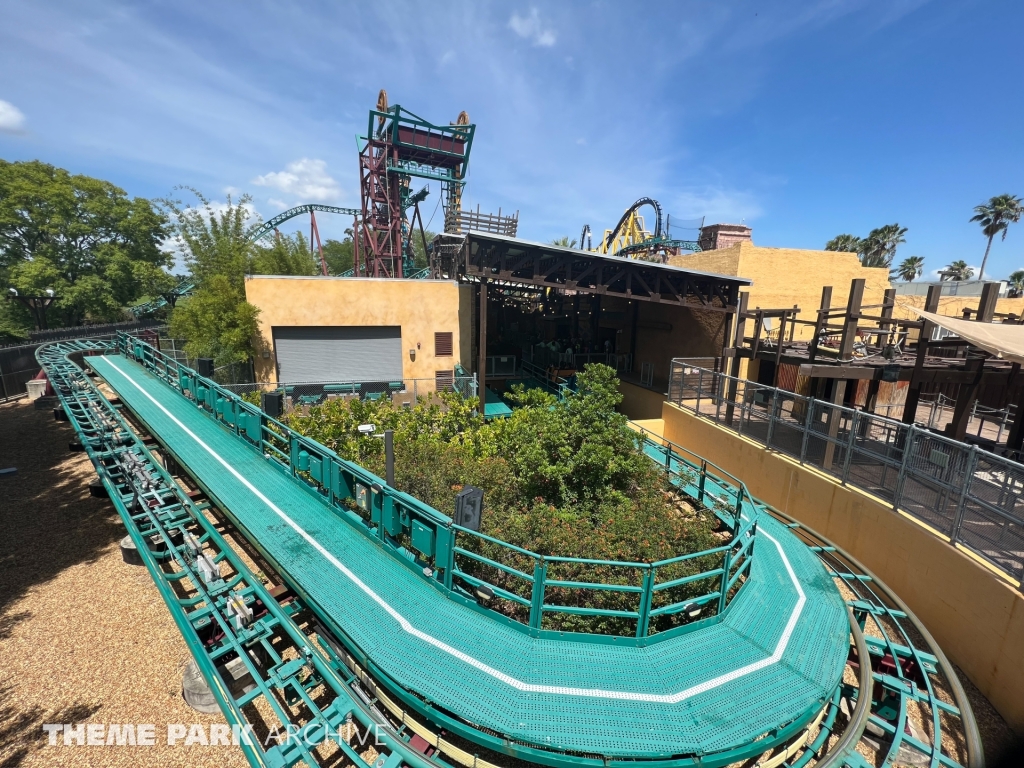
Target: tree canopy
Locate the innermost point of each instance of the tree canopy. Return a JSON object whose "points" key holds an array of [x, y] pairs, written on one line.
{"points": [[83, 238], [910, 267], [957, 270], [879, 247], [1017, 281], [216, 321], [845, 243], [996, 216]]}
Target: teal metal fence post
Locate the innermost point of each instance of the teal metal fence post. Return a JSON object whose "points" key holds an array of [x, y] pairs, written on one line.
{"points": [[726, 566], [646, 596], [540, 576], [739, 510], [449, 563]]}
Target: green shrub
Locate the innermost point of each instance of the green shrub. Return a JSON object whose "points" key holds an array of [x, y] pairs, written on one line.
{"points": [[561, 478]]}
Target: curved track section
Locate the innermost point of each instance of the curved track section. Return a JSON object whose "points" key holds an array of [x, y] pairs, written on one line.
{"points": [[398, 645], [629, 212], [273, 223]]}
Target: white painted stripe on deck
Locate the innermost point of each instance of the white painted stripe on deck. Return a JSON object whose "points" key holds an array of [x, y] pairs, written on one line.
{"points": [[674, 698]]}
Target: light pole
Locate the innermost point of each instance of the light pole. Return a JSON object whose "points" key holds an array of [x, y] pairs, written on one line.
{"points": [[37, 305]]}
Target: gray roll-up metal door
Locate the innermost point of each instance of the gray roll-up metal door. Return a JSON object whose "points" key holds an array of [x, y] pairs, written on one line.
{"points": [[338, 353]]}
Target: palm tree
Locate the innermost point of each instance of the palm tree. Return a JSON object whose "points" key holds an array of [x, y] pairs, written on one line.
{"points": [[1017, 282], [910, 267], [879, 247], [957, 270], [565, 242], [845, 243], [996, 216]]}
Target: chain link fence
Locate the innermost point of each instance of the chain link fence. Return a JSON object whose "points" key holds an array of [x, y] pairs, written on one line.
{"points": [[403, 392], [968, 495]]}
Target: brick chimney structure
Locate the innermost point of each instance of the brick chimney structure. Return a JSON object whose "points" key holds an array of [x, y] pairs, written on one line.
{"points": [[715, 236]]}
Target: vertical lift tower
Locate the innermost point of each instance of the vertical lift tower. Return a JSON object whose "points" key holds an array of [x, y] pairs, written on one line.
{"points": [[398, 146]]}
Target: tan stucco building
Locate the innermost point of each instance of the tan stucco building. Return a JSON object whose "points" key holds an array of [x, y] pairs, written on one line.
{"points": [[787, 277], [416, 317]]}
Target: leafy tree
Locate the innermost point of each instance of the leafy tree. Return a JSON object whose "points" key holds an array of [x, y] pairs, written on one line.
{"points": [[564, 242], [216, 321], [996, 216], [1017, 282], [910, 267], [417, 246], [82, 237], [338, 254], [845, 243], [957, 270], [879, 247], [561, 477], [284, 256]]}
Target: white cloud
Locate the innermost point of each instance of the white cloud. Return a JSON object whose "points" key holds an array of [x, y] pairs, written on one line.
{"points": [[307, 180], [11, 118], [531, 27], [278, 203]]}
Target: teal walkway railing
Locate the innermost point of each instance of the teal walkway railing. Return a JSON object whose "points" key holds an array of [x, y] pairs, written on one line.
{"points": [[538, 592]]}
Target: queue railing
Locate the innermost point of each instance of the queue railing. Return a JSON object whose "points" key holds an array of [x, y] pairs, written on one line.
{"points": [[970, 496], [664, 597]]}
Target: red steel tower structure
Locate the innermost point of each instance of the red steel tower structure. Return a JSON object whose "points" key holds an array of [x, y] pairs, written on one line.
{"points": [[398, 146]]}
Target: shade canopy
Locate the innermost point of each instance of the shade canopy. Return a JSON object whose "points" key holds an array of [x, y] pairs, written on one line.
{"points": [[1004, 340]]}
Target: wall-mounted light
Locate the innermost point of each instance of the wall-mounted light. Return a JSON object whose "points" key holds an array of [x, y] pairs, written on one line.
{"points": [[266, 354], [412, 354]]}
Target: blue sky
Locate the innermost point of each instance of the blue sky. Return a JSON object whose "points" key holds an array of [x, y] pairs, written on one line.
{"points": [[804, 119]]}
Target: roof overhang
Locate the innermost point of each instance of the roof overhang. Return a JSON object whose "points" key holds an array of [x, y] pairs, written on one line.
{"points": [[512, 260]]}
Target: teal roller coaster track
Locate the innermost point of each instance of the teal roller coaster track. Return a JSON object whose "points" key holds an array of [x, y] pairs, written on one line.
{"points": [[382, 625]]}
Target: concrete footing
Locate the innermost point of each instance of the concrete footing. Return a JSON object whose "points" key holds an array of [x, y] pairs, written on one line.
{"points": [[197, 693]]}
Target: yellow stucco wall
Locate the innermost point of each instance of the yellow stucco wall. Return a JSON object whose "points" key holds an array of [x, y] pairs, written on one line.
{"points": [[640, 403], [976, 617], [783, 277], [420, 307]]}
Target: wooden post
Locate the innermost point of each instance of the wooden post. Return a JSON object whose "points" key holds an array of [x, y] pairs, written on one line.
{"points": [[987, 303], [850, 323], [734, 372], [778, 349], [758, 325], [931, 304], [968, 393], [1015, 440], [826, 305], [481, 364], [838, 395]]}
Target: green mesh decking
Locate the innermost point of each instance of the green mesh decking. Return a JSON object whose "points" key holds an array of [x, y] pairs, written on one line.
{"points": [[775, 658]]}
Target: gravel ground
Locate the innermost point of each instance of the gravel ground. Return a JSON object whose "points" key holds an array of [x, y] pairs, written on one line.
{"points": [[84, 637]]}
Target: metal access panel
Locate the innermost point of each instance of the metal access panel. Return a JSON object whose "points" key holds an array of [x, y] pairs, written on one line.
{"points": [[338, 353]]}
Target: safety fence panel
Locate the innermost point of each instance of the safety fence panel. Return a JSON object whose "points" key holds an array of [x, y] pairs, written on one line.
{"points": [[966, 494]]}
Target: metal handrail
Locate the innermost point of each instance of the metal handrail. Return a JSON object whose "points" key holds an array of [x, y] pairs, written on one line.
{"points": [[954, 475], [338, 479]]}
